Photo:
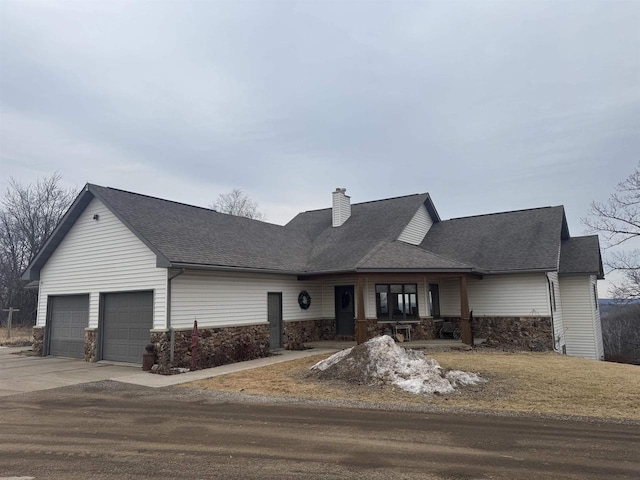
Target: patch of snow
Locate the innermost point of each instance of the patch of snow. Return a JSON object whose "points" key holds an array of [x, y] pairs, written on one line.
{"points": [[332, 360], [381, 361], [460, 378]]}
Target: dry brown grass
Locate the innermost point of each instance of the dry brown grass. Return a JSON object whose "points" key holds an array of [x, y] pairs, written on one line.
{"points": [[19, 336], [518, 382]]}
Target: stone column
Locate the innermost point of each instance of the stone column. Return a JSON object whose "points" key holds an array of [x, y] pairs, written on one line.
{"points": [[38, 341], [90, 344], [162, 340]]}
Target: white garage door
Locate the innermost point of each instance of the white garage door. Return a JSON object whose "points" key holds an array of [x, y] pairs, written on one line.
{"points": [[128, 318], [69, 317]]}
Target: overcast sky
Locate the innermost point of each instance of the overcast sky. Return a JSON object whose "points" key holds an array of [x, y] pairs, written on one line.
{"points": [[487, 105]]}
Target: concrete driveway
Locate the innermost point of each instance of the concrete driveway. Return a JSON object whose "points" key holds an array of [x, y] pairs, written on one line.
{"points": [[21, 373]]}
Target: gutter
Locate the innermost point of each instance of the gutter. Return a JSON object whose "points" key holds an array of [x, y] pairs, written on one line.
{"points": [[220, 268], [553, 326], [172, 342]]}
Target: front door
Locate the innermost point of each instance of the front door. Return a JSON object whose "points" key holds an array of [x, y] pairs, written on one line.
{"points": [[345, 319], [274, 314]]}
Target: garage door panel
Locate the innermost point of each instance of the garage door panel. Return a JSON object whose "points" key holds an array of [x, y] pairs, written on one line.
{"points": [[69, 318], [128, 319]]}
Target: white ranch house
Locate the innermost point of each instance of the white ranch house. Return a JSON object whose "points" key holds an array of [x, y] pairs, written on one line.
{"points": [[123, 270]]}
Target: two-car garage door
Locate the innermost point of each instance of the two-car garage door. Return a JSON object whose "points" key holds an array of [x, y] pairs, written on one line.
{"points": [[126, 321]]}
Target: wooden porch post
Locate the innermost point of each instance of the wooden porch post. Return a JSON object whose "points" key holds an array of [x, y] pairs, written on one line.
{"points": [[465, 323], [361, 322]]}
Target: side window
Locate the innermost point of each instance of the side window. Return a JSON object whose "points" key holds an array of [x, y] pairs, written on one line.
{"points": [[595, 296], [552, 295], [434, 299]]}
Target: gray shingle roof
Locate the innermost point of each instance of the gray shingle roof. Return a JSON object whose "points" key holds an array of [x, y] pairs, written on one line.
{"points": [[400, 255], [522, 240], [194, 235], [180, 234], [370, 224], [581, 255]]}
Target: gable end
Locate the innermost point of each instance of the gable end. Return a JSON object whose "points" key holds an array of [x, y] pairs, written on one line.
{"points": [[417, 228]]}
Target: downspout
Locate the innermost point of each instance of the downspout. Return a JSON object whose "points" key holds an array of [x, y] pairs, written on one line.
{"points": [[172, 333], [553, 327]]}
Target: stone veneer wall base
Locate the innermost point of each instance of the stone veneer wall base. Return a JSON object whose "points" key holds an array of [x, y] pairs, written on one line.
{"points": [[518, 333], [297, 333], [162, 342], [38, 341], [216, 346]]}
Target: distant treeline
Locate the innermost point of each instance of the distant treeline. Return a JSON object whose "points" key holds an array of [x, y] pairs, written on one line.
{"points": [[621, 330]]}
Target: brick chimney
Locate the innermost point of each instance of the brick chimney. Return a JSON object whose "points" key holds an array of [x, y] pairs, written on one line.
{"points": [[341, 207]]}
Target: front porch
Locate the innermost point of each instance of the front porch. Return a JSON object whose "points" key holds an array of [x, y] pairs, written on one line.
{"points": [[378, 302]]}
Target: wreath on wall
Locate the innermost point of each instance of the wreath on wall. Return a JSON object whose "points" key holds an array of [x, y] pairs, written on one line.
{"points": [[304, 300]]}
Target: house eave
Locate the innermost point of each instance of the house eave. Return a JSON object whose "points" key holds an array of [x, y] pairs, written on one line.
{"points": [[516, 271], [227, 268], [32, 272], [418, 270], [598, 275]]}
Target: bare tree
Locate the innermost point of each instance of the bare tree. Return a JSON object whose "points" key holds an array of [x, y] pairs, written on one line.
{"points": [[621, 334], [28, 216], [238, 203], [618, 221]]}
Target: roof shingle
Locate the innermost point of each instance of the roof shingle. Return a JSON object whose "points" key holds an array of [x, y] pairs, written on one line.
{"points": [[581, 255], [522, 240], [183, 235]]}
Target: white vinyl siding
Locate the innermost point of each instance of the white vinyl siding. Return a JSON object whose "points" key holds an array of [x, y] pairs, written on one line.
{"points": [[597, 329], [98, 256], [449, 298], [230, 299], [582, 328], [498, 295], [558, 322], [417, 228], [234, 299]]}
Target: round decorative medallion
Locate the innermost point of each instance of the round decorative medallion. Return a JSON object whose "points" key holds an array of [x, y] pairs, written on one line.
{"points": [[304, 300]]}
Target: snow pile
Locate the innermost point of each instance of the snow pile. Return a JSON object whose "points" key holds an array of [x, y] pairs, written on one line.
{"points": [[381, 362]]}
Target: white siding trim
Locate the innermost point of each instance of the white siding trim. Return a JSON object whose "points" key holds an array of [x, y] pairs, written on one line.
{"points": [[99, 256], [417, 228], [558, 322], [597, 324]]}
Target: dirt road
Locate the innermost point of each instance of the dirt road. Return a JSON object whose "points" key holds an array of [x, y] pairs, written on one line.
{"points": [[110, 430]]}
